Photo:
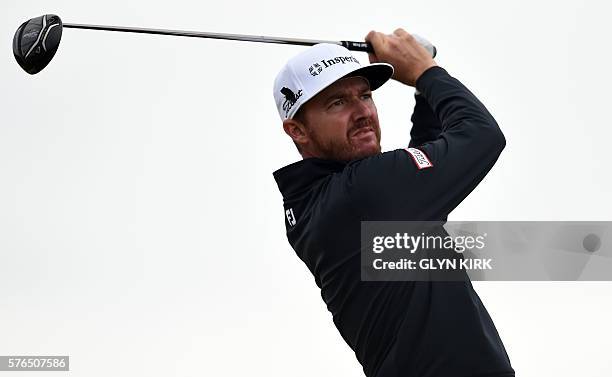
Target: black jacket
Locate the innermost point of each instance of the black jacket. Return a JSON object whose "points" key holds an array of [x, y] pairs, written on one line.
{"points": [[420, 329]]}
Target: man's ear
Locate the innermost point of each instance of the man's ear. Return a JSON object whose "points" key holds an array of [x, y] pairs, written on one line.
{"points": [[296, 130]]}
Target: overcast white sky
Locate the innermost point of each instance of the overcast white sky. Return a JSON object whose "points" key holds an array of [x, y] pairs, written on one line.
{"points": [[142, 233]]}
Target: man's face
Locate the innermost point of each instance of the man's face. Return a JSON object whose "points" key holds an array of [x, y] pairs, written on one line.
{"points": [[341, 122]]}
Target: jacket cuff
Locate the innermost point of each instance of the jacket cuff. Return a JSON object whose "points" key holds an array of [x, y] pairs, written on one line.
{"points": [[429, 76]]}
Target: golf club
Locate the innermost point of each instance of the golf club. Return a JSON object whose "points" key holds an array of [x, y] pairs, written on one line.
{"points": [[37, 40]]}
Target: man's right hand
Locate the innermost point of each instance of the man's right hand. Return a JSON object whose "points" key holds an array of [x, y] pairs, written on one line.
{"points": [[403, 52]]}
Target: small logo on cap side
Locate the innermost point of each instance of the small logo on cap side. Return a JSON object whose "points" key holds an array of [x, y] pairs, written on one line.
{"points": [[290, 98]]}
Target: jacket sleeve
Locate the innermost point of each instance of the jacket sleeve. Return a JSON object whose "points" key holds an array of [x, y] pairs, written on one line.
{"points": [[425, 126], [429, 181]]}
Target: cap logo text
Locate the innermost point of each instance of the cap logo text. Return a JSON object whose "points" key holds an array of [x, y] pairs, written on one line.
{"points": [[316, 68]]}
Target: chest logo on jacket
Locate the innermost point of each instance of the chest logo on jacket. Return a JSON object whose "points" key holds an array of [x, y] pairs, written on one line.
{"points": [[290, 216]]}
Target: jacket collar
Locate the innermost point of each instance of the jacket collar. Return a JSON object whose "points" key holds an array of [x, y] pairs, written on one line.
{"points": [[300, 175]]}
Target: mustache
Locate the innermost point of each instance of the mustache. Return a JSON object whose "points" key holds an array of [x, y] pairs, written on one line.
{"points": [[363, 124]]}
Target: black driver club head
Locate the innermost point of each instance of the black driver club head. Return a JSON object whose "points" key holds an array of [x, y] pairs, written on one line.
{"points": [[36, 41]]}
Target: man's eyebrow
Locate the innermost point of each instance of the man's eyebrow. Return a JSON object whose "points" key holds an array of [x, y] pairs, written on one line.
{"points": [[342, 92], [336, 94]]}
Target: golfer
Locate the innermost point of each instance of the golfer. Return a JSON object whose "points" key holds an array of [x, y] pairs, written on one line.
{"points": [[324, 98]]}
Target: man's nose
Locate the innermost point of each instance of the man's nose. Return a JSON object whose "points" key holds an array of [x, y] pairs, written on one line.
{"points": [[362, 108]]}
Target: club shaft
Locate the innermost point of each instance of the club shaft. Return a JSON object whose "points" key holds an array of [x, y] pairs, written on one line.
{"points": [[198, 34], [353, 46]]}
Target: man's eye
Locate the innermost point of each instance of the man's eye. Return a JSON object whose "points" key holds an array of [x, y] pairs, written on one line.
{"points": [[367, 96], [337, 102]]}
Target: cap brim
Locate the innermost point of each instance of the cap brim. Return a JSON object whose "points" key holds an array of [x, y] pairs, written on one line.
{"points": [[376, 73]]}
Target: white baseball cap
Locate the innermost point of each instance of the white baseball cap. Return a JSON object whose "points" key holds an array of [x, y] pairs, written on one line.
{"points": [[308, 73]]}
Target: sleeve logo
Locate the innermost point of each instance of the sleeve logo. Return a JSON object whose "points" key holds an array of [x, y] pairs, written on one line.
{"points": [[419, 158]]}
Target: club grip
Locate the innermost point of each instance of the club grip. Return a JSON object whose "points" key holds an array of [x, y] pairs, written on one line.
{"points": [[366, 47], [357, 46]]}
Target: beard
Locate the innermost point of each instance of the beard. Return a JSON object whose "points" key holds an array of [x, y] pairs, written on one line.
{"points": [[345, 149]]}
